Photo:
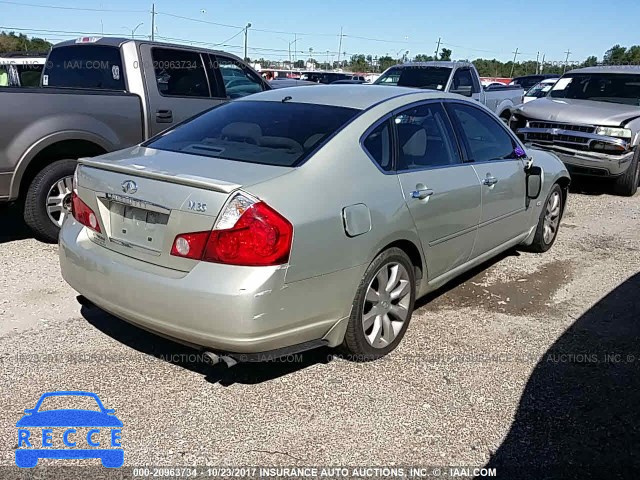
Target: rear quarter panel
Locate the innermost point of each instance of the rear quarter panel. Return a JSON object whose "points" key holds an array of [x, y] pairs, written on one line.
{"points": [[35, 118], [313, 196]]}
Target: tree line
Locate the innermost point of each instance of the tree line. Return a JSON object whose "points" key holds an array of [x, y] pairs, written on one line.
{"points": [[10, 42]]}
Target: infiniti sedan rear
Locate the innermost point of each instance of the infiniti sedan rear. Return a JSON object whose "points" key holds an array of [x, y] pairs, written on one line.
{"points": [[303, 217]]}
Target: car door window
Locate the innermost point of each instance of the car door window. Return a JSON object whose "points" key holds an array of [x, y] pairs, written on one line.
{"points": [[378, 146], [238, 80], [425, 138], [179, 73], [484, 137]]}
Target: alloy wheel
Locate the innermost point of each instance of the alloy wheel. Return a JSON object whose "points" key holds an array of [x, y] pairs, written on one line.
{"points": [[59, 200], [551, 218], [386, 305]]}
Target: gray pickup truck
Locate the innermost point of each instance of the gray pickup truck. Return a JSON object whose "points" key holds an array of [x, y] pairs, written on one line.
{"points": [[591, 120], [454, 77], [99, 95]]}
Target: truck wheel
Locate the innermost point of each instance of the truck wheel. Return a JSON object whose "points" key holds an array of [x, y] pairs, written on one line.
{"points": [[627, 184], [549, 222], [382, 307], [48, 199]]}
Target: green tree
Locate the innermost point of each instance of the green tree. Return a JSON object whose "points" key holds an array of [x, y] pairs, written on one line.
{"points": [[421, 57], [445, 54], [591, 61], [615, 55], [386, 62], [632, 56], [10, 42]]}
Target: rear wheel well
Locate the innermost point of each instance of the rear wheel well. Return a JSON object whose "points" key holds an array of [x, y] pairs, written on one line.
{"points": [[505, 114], [65, 149], [413, 253]]}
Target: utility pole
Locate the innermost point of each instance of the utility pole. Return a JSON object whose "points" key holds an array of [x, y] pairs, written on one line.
{"points": [[542, 65], [566, 60], [295, 47], [153, 21], [513, 64], [438, 48], [328, 67], [537, 63], [340, 47], [246, 33]]}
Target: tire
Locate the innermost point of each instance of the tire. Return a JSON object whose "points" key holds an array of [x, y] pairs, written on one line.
{"points": [[36, 214], [395, 313], [553, 206], [627, 184]]}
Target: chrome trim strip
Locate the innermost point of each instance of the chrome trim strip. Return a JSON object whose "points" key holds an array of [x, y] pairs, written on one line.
{"points": [[590, 137], [134, 202]]}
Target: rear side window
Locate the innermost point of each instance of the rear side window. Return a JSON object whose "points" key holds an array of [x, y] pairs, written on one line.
{"points": [[378, 146], [270, 133], [425, 138], [84, 66], [179, 73], [29, 75]]}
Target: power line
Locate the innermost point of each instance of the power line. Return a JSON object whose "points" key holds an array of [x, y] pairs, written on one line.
{"points": [[197, 20], [59, 7]]}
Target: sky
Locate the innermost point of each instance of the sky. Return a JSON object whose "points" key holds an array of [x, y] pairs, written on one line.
{"points": [[471, 29]]}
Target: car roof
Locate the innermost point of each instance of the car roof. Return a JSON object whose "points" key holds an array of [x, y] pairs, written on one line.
{"points": [[632, 69], [433, 63], [359, 97]]}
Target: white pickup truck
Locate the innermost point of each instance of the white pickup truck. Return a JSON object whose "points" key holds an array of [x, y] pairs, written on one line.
{"points": [[454, 77]]}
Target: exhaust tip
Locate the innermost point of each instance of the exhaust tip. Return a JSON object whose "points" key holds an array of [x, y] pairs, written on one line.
{"points": [[215, 359]]}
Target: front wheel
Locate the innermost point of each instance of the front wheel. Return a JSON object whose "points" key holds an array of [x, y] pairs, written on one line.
{"points": [[382, 307], [549, 221], [48, 199]]}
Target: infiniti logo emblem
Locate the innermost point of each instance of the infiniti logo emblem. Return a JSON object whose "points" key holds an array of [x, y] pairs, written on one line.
{"points": [[129, 186]]}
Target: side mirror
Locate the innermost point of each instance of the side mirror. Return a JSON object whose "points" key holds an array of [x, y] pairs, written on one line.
{"points": [[534, 182], [467, 91]]}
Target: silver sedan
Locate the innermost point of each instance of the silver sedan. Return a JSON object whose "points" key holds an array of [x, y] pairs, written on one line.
{"points": [[303, 217]]}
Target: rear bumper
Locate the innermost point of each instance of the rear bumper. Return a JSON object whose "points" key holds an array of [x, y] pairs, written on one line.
{"points": [[218, 307]]}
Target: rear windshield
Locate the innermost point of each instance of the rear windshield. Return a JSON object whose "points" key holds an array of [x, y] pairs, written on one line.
{"points": [[269, 133], [84, 66], [600, 87], [418, 77]]}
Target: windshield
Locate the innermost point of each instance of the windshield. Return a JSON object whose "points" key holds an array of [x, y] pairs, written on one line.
{"points": [[539, 90], [419, 77], [269, 133], [63, 402], [600, 87], [84, 66]]}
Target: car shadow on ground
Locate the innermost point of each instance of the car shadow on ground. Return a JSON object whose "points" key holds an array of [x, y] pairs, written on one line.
{"points": [[193, 360], [591, 186], [12, 224], [579, 415]]}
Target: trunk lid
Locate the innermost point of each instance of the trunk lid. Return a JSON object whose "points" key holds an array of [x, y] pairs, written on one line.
{"points": [[143, 198]]}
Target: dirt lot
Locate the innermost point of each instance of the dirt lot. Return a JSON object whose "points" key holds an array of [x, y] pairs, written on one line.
{"points": [[530, 363]]}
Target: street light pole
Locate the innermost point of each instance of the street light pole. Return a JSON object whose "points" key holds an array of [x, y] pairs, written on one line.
{"points": [[246, 30], [133, 32]]}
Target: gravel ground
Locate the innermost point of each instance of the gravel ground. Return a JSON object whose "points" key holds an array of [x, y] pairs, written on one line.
{"points": [[528, 363]]}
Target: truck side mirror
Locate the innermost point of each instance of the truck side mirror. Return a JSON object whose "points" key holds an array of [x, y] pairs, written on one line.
{"points": [[534, 182]]}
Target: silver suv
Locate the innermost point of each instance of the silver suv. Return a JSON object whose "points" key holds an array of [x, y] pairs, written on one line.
{"points": [[591, 120]]}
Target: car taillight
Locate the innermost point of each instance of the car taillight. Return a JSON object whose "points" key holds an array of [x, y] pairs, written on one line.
{"points": [[248, 233], [82, 213]]}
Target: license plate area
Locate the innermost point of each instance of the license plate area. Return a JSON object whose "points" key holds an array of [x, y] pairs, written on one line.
{"points": [[137, 227]]}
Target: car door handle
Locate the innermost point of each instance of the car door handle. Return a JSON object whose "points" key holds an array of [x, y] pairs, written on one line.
{"points": [[421, 193], [164, 116], [490, 181]]}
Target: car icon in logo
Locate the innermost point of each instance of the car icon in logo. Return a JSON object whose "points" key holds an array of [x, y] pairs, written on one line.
{"points": [[129, 186], [36, 437]]}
